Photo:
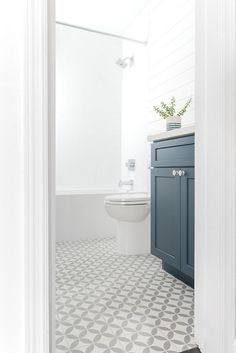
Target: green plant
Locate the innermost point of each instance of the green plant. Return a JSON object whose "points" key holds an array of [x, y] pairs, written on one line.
{"points": [[166, 111]]}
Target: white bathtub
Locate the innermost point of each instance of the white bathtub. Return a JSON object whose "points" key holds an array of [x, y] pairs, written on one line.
{"points": [[80, 215]]}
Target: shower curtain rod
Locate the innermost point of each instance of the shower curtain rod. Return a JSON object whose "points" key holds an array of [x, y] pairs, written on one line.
{"points": [[100, 32]]}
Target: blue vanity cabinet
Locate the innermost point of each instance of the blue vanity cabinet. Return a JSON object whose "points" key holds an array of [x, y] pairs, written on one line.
{"points": [[172, 205], [187, 223], [165, 216]]}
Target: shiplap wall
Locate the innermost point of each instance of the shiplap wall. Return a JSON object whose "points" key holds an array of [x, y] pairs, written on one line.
{"points": [[170, 57]]}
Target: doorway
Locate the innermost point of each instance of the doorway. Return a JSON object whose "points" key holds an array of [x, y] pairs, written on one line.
{"points": [[212, 333], [107, 81]]}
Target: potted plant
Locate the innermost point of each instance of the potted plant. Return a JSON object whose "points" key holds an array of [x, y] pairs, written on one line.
{"points": [[168, 112]]}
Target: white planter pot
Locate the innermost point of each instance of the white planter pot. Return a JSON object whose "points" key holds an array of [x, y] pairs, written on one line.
{"points": [[173, 123]]}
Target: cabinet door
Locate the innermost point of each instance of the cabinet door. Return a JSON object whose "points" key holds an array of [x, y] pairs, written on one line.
{"points": [[187, 222], [165, 216]]}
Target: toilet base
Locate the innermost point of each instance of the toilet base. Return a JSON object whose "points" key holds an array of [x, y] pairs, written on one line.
{"points": [[133, 238]]}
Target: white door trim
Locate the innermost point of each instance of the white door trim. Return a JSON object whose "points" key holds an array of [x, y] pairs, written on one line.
{"points": [[215, 175], [39, 174]]}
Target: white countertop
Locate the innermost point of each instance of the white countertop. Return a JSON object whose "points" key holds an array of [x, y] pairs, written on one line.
{"points": [[161, 135]]}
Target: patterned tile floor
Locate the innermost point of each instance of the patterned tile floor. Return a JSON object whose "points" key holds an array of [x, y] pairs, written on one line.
{"points": [[110, 303]]}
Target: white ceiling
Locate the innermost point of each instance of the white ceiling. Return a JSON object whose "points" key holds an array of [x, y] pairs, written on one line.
{"points": [[112, 16]]}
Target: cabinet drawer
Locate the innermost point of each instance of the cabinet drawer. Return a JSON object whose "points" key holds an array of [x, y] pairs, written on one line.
{"points": [[176, 152]]}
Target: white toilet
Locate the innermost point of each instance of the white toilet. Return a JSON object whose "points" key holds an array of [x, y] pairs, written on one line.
{"points": [[131, 210]]}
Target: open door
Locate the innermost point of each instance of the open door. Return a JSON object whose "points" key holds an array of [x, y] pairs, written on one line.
{"points": [[215, 175]]}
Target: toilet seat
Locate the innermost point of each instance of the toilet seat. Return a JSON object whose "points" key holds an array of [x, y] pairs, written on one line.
{"points": [[127, 199]]}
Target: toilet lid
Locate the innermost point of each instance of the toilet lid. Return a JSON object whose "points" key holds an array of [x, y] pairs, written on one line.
{"points": [[128, 198]]}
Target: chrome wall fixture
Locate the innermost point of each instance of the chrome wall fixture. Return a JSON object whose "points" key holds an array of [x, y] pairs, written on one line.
{"points": [[131, 164], [124, 62]]}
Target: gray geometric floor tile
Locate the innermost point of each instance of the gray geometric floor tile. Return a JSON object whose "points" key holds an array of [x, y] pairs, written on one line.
{"points": [[147, 343], [110, 303], [106, 346]]}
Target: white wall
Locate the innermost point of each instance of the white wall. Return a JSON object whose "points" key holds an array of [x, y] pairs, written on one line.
{"points": [[135, 107], [171, 57], [12, 272], [82, 217], [88, 110], [134, 116]]}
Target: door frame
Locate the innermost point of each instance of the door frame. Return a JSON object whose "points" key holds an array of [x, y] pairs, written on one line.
{"points": [[39, 175], [215, 175]]}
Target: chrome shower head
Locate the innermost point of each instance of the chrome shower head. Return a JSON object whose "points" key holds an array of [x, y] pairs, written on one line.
{"points": [[123, 63]]}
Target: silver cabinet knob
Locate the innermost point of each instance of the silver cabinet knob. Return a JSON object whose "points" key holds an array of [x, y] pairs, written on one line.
{"points": [[174, 172], [181, 173]]}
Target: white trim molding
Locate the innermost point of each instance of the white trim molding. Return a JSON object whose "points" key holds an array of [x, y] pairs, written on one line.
{"points": [[215, 175], [39, 175]]}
